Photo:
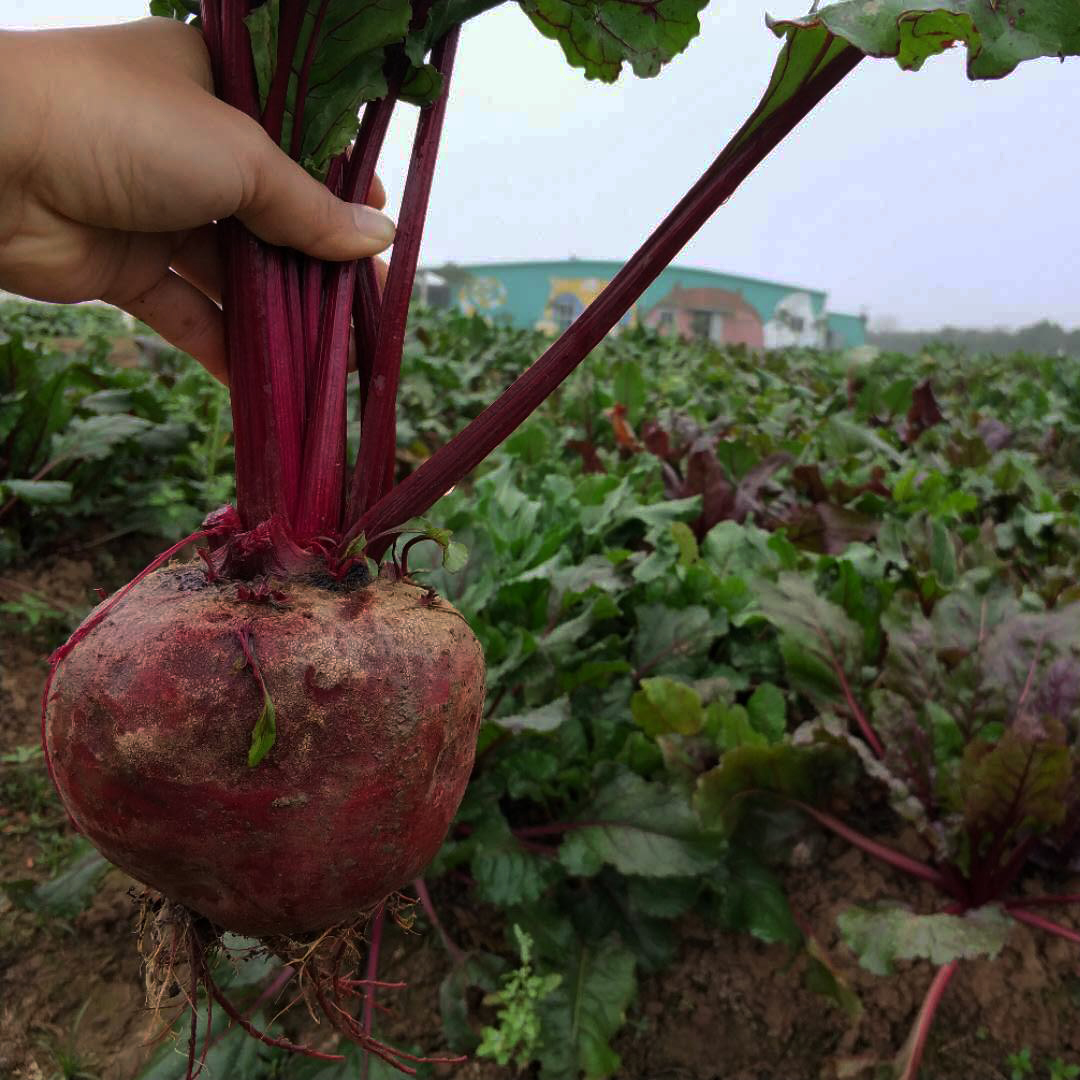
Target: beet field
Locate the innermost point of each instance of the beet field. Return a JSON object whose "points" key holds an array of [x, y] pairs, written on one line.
{"points": [[777, 775]]}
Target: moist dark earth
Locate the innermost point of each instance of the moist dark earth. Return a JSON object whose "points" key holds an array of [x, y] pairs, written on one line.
{"points": [[729, 1007]]}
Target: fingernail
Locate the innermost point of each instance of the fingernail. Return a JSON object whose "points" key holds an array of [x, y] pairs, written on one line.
{"points": [[377, 227]]}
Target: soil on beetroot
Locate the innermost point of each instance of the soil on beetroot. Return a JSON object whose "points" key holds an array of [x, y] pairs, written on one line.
{"points": [[729, 1008]]}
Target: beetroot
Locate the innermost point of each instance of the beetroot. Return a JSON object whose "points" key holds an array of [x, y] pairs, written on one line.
{"points": [[378, 694]]}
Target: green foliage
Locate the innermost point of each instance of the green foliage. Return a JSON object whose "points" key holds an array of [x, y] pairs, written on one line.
{"points": [[30, 807], [345, 49], [241, 970], [454, 555], [997, 38], [30, 612], [721, 674], [70, 1063], [820, 644], [347, 57], [517, 1035], [83, 444], [1020, 1064], [881, 935], [599, 35], [45, 322], [182, 10], [1043, 337], [66, 894], [264, 733], [640, 828], [585, 1009], [669, 629]]}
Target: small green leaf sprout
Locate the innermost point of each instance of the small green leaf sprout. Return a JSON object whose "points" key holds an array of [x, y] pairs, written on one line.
{"points": [[264, 733], [517, 1035], [454, 554]]}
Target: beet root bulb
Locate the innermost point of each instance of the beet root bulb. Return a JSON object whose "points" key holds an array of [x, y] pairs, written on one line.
{"points": [[378, 694]]}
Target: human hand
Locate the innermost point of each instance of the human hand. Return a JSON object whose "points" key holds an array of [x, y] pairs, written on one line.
{"points": [[117, 160]]}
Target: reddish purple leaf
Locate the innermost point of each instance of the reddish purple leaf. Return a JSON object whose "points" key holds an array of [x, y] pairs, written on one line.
{"points": [[923, 414], [590, 459], [827, 528]]}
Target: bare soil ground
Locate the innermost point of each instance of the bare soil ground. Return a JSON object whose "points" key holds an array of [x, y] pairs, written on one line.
{"points": [[730, 1008]]}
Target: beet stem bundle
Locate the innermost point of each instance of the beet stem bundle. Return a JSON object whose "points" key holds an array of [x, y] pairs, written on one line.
{"points": [[289, 408]]}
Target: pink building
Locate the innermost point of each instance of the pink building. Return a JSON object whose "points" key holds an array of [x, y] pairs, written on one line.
{"points": [[715, 315]]}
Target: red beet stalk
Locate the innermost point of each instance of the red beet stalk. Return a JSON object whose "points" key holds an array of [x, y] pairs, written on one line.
{"points": [[374, 472], [419, 491], [288, 409]]}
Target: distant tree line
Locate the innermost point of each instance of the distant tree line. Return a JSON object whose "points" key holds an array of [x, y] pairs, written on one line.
{"points": [[1045, 338]]}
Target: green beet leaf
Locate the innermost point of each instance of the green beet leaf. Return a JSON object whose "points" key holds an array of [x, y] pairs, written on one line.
{"points": [[542, 720], [964, 620], [182, 10], [585, 1010], [344, 65], [768, 711], [885, 933], [455, 556], [663, 707], [477, 969], [264, 733], [822, 977], [685, 541], [231, 1053], [600, 35], [37, 492], [422, 85], [443, 16], [67, 894], [662, 898], [750, 898], [95, 438], [998, 36], [668, 637], [730, 726], [796, 772], [822, 647], [639, 828], [809, 50], [505, 873]]}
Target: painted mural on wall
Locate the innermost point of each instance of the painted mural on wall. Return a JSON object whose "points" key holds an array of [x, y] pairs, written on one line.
{"points": [[716, 315], [795, 322], [568, 298], [481, 294]]}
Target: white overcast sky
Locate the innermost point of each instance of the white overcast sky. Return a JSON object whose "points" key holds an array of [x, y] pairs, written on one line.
{"points": [[920, 197]]}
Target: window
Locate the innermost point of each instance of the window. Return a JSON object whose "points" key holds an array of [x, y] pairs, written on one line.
{"points": [[707, 325], [565, 308], [699, 323], [665, 321]]}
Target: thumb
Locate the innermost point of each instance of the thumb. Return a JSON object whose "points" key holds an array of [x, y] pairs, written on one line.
{"points": [[288, 207]]}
